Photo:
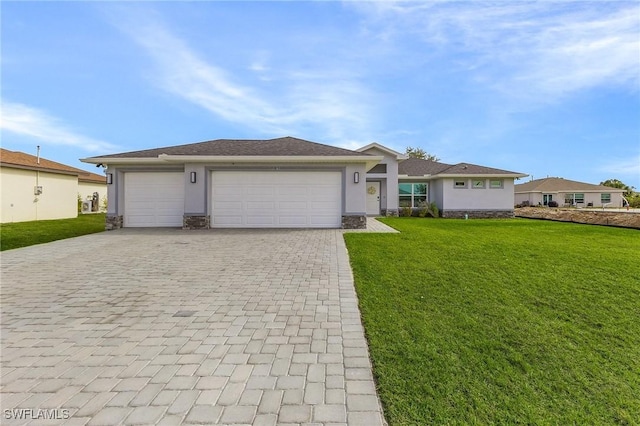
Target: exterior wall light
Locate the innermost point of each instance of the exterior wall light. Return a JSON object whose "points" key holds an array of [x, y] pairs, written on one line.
{"points": [[192, 177], [109, 178], [356, 177]]}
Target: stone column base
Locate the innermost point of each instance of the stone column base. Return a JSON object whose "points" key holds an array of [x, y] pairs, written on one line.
{"points": [[354, 222], [195, 222], [478, 214], [390, 212], [113, 222]]}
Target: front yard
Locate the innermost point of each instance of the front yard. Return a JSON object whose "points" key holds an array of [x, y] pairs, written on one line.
{"points": [[502, 321], [22, 234]]}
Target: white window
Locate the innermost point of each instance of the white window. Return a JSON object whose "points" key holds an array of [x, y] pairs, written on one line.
{"points": [[478, 183], [496, 184], [605, 198], [459, 183]]}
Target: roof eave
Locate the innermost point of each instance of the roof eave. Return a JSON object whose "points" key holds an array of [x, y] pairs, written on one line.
{"points": [[369, 160], [39, 169], [488, 175], [398, 155]]}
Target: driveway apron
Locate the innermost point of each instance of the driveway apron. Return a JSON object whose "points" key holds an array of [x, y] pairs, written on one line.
{"points": [[159, 326]]}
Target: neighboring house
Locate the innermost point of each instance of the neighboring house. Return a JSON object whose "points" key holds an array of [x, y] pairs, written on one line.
{"points": [[35, 188], [459, 190], [285, 183], [567, 193]]}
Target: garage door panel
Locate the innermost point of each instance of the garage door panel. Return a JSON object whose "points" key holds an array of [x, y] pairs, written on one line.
{"points": [[153, 199], [277, 199]]}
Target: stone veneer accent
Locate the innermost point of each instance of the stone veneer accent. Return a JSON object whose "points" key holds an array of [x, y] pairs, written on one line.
{"points": [[478, 214], [195, 222], [390, 212], [113, 222], [354, 222]]}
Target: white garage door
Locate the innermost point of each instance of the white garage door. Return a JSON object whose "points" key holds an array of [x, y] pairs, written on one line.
{"points": [[153, 199], [276, 199]]}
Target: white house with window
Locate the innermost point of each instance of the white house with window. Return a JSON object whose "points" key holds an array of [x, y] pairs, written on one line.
{"points": [[458, 190], [289, 182], [567, 193]]}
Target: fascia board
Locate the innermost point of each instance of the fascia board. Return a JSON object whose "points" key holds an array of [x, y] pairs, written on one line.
{"points": [[416, 177], [398, 155], [121, 160], [490, 175], [369, 160]]}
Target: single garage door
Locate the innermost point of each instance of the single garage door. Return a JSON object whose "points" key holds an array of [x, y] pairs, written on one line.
{"points": [[153, 199], [276, 199]]}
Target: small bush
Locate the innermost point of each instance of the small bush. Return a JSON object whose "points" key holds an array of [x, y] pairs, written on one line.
{"points": [[434, 211], [552, 204], [405, 211]]}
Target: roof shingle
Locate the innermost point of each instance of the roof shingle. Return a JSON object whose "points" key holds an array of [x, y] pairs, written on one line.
{"points": [[286, 146], [557, 184], [421, 167]]}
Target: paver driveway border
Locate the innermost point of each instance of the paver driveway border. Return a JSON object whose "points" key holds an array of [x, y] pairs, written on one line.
{"points": [[199, 327]]}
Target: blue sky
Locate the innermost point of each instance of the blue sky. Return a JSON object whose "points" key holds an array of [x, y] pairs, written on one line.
{"points": [[544, 88]]}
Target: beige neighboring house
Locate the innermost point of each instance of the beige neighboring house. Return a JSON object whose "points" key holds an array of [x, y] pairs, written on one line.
{"points": [[567, 193], [35, 188]]}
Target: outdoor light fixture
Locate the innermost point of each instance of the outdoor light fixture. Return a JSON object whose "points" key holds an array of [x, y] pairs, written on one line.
{"points": [[109, 178], [356, 177], [192, 177]]}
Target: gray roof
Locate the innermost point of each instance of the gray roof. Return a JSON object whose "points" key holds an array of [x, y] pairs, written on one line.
{"points": [[420, 167], [557, 184], [286, 146]]}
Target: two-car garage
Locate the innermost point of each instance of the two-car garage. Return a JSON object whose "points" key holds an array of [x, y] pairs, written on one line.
{"points": [[238, 199]]}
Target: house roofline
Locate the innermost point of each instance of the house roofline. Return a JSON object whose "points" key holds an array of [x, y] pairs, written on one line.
{"points": [[39, 169], [370, 160], [398, 155]]}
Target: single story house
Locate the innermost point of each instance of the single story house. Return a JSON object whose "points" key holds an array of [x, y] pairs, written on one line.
{"points": [[459, 190], [288, 183], [567, 193], [34, 188]]}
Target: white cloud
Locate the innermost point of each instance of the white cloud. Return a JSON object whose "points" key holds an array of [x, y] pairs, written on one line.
{"points": [[623, 167], [37, 124], [532, 50], [334, 106]]}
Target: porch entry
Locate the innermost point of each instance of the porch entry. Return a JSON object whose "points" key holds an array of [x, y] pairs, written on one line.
{"points": [[373, 198]]}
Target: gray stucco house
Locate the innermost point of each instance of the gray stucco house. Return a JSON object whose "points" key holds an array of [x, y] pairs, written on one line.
{"points": [[289, 183]]}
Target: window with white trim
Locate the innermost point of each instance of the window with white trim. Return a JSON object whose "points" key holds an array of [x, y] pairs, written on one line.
{"points": [[478, 183], [605, 198], [496, 184], [459, 183], [412, 194], [574, 199]]}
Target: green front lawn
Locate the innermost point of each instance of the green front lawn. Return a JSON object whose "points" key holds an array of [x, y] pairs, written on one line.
{"points": [[22, 234], [502, 321]]}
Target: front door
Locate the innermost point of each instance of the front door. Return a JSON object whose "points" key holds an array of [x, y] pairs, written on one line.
{"points": [[546, 198], [373, 198]]}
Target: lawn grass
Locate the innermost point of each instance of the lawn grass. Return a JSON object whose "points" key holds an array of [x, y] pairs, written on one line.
{"points": [[502, 321], [22, 234]]}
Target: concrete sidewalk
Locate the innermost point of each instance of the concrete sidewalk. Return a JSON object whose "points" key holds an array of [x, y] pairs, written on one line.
{"points": [[198, 327]]}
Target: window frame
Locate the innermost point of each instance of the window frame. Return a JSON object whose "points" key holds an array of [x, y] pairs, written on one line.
{"points": [[412, 197], [464, 185], [500, 182], [482, 181], [602, 199]]}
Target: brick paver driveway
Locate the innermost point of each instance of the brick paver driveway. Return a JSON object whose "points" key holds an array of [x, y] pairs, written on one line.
{"points": [[171, 327]]}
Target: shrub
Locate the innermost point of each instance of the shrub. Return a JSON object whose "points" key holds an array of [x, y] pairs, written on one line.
{"points": [[552, 204], [434, 211], [424, 209], [405, 211]]}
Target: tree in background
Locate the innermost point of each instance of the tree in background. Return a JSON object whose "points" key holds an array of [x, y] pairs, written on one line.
{"points": [[629, 191], [420, 153]]}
